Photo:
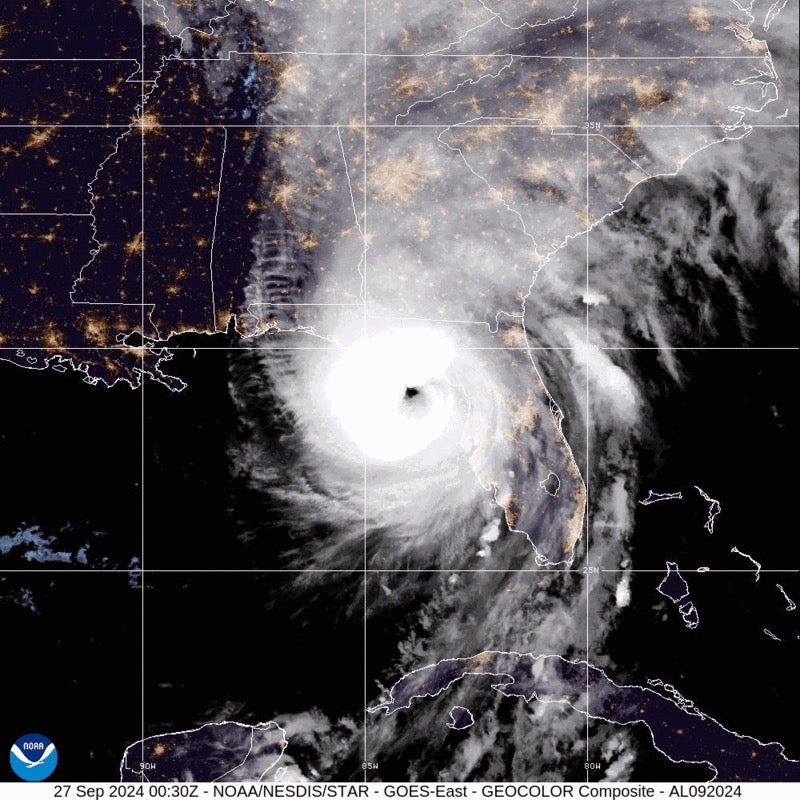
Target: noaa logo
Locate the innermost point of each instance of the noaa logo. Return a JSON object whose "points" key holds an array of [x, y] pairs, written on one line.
{"points": [[33, 757]]}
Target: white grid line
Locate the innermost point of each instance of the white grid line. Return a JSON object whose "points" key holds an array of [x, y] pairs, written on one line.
{"points": [[142, 575], [587, 572], [512, 123], [164, 345], [372, 571], [365, 713], [346, 54]]}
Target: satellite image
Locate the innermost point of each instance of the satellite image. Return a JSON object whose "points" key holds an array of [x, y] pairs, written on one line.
{"points": [[399, 390]]}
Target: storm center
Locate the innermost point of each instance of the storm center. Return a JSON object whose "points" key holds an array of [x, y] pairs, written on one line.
{"points": [[389, 394]]}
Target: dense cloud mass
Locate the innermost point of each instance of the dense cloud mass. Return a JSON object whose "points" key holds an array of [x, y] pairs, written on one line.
{"points": [[458, 293]]}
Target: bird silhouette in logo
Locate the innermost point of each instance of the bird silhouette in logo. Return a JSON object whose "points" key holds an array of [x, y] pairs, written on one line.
{"points": [[28, 763]]}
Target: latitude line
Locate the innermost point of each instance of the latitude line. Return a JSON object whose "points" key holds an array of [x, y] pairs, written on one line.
{"points": [[348, 54], [386, 570], [466, 56], [512, 123], [246, 348]]}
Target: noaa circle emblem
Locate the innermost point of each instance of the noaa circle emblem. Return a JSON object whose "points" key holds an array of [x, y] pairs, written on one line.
{"points": [[33, 757]]}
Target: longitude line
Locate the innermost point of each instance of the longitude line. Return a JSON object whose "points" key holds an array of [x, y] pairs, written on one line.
{"points": [[142, 577], [587, 576], [364, 298]]}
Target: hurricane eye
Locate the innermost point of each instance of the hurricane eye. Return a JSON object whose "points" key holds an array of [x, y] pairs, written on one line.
{"points": [[388, 394]]}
